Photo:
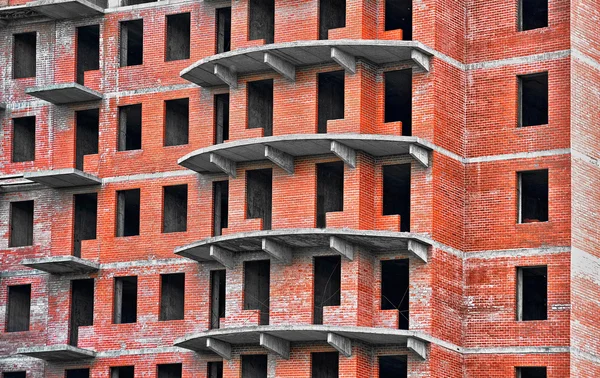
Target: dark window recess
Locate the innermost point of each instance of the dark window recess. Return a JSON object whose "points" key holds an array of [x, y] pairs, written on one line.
{"points": [[82, 307], [125, 300], [332, 15], [21, 224], [128, 212], [217, 298], [396, 193], [77, 373], [175, 208], [19, 308], [215, 369], [178, 37], [395, 293], [260, 106], [130, 127], [132, 43], [325, 365], [254, 366], [220, 206], [533, 14], [533, 196], [122, 372], [262, 20], [17, 374], [125, 3], [88, 50], [257, 278], [86, 215], [531, 372], [330, 98], [177, 120], [398, 99], [327, 285], [221, 118], [172, 294], [259, 195], [23, 143], [24, 55], [169, 371], [533, 98], [532, 293], [330, 190], [86, 135], [223, 29], [398, 15], [393, 367]]}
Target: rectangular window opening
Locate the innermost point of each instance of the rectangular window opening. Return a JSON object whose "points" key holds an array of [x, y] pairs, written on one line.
{"points": [[128, 212], [172, 296], [260, 106], [23, 143], [130, 127], [330, 98], [533, 196], [215, 369], [223, 29], [259, 195], [532, 293], [122, 372], [327, 285], [132, 43], [177, 122], [19, 308], [398, 15], [86, 216], [16, 374], [254, 366], [24, 55], [125, 300], [221, 118], [262, 20], [396, 193], [393, 367], [175, 208], [88, 50], [533, 14], [82, 307], [325, 365], [220, 206], [398, 99], [533, 99], [395, 286], [77, 373], [330, 190], [217, 297], [169, 371], [86, 135], [178, 37], [332, 15], [21, 224], [256, 288], [531, 372]]}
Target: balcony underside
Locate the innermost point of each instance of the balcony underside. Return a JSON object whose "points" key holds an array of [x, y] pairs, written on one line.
{"points": [[62, 94], [55, 9], [61, 265], [64, 353], [62, 178], [284, 58]]}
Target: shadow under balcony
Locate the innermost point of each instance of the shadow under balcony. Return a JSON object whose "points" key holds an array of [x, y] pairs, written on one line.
{"points": [[62, 178], [64, 94], [61, 265]]}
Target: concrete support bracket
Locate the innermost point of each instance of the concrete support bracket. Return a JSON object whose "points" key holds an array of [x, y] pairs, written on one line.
{"points": [[281, 66], [225, 74], [221, 348], [347, 61], [347, 154], [277, 250], [222, 255], [342, 247], [420, 59], [280, 158], [340, 343], [418, 249], [418, 347], [224, 164], [420, 154], [276, 345]]}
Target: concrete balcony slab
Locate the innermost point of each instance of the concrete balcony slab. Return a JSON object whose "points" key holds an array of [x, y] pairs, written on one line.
{"points": [[61, 265], [65, 353], [62, 94], [62, 178], [54, 9]]}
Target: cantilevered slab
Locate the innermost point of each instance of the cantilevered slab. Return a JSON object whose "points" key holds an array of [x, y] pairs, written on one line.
{"points": [[295, 145], [55, 9], [63, 178], [65, 353], [61, 265], [376, 241], [62, 94], [304, 53]]}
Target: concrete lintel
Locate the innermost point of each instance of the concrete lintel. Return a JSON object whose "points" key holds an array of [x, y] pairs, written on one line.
{"points": [[221, 348], [347, 154], [420, 59], [342, 247], [418, 249], [417, 346], [277, 250], [281, 66], [347, 61], [340, 343], [276, 345], [420, 154], [222, 255], [224, 164], [280, 158], [225, 74]]}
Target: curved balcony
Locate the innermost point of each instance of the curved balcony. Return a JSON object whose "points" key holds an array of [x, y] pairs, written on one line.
{"points": [[61, 265], [54, 9], [223, 69]]}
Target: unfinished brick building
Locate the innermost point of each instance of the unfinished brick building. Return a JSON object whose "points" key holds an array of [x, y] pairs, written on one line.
{"points": [[330, 188]]}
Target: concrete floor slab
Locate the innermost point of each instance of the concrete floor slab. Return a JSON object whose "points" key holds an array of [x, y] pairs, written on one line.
{"points": [[61, 94], [62, 178], [66, 353], [61, 265], [55, 9]]}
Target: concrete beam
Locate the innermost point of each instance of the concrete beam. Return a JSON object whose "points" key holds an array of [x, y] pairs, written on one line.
{"points": [[280, 158], [420, 154], [419, 249], [224, 164], [276, 345], [340, 343], [281, 66], [225, 74], [417, 346], [347, 154], [347, 61], [420, 59], [221, 348], [277, 250], [222, 255], [342, 247]]}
